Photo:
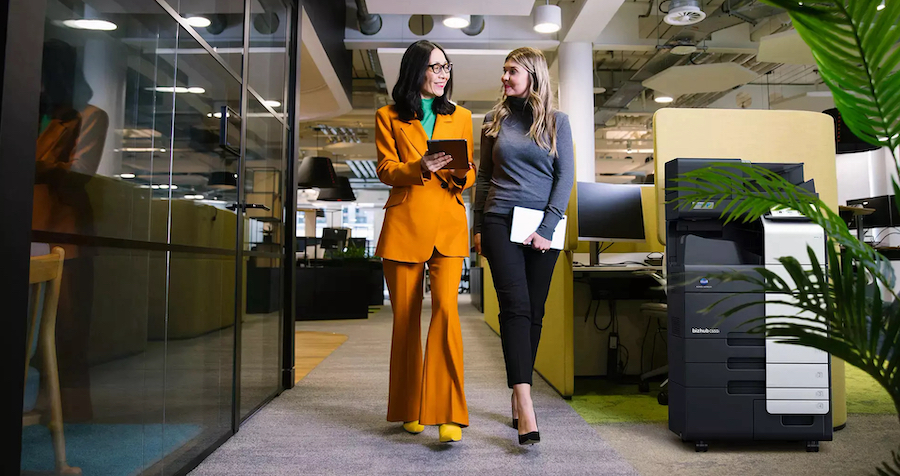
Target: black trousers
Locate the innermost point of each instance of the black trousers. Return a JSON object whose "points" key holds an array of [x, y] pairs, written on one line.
{"points": [[521, 277]]}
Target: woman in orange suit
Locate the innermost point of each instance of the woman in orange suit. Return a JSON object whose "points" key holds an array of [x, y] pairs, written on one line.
{"points": [[424, 222]]}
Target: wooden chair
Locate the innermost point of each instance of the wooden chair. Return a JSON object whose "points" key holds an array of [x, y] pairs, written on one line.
{"points": [[45, 277]]}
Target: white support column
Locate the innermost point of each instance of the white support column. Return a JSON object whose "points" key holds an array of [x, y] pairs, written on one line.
{"points": [[576, 98]]}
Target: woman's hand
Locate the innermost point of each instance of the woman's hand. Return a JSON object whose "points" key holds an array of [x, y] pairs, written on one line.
{"points": [[461, 173], [477, 242], [537, 242], [434, 162]]}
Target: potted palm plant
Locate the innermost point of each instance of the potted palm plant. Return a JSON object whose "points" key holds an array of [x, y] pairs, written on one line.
{"points": [[855, 44]]}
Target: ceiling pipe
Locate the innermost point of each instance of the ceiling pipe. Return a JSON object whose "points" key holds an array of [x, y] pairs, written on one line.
{"points": [[731, 13], [369, 24], [476, 25]]}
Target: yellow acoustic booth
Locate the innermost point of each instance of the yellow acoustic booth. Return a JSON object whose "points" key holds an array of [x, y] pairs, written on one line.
{"points": [[755, 136]]}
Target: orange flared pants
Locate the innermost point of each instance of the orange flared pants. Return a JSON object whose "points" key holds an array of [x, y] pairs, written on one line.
{"points": [[431, 392]]}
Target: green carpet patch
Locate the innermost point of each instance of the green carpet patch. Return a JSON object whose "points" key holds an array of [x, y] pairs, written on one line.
{"points": [[865, 395], [601, 401]]}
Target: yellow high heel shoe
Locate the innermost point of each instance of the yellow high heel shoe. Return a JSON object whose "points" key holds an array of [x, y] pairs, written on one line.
{"points": [[413, 427], [450, 432]]}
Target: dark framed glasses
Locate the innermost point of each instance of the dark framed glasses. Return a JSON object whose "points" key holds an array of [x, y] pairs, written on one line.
{"points": [[437, 67]]}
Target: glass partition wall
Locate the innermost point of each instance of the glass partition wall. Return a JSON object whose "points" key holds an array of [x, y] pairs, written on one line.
{"points": [[158, 211]]}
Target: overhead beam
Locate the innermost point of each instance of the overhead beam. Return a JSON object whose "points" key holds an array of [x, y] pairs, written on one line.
{"points": [[584, 18], [500, 33]]}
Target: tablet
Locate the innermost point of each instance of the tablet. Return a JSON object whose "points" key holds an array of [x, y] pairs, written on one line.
{"points": [[457, 148]]}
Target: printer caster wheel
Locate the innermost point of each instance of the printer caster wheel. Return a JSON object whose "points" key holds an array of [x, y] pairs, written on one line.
{"points": [[701, 447], [663, 397], [812, 446], [643, 386]]}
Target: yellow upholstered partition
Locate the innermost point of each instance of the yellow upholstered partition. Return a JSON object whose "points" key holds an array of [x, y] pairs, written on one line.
{"points": [[754, 136]]}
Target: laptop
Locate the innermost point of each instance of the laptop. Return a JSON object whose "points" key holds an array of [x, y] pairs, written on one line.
{"points": [[526, 220]]}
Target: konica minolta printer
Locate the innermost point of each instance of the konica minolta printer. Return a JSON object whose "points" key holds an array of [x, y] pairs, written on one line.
{"points": [[725, 383]]}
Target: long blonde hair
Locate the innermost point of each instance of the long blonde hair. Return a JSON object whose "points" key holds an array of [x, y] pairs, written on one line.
{"points": [[543, 126]]}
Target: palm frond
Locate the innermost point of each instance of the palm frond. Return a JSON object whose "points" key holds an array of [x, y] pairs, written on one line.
{"points": [[886, 469], [853, 43]]}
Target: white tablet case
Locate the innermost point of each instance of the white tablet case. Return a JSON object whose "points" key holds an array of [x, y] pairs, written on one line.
{"points": [[526, 221]]}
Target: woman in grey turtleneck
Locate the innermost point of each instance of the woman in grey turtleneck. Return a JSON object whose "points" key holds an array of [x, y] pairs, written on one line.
{"points": [[526, 161]]}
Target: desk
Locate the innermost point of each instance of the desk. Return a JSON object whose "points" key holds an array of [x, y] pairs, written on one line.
{"points": [[630, 268], [624, 283]]}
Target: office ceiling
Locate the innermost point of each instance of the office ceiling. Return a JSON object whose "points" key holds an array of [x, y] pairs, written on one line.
{"points": [[450, 7], [631, 43]]}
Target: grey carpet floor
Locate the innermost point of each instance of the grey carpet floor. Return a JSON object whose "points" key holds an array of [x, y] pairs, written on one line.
{"points": [[333, 421], [856, 450]]}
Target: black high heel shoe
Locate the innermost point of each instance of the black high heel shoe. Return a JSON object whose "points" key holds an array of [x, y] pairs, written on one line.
{"points": [[530, 438]]}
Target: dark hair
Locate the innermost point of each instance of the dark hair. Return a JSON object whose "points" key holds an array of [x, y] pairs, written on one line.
{"points": [[407, 92]]}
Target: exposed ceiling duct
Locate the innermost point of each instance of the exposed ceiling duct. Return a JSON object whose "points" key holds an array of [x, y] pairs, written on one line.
{"points": [[684, 12], [369, 24], [476, 25], [731, 13]]}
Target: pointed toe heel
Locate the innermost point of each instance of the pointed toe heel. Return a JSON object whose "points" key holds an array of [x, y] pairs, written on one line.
{"points": [[530, 438]]}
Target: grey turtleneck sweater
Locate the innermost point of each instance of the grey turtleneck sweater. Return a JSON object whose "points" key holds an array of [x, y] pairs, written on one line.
{"points": [[516, 172]]}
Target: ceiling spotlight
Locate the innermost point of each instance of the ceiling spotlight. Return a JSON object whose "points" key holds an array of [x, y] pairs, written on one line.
{"points": [[198, 21], [457, 21], [100, 25], [272, 103], [547, 18], [682, 50], [662, 98]]}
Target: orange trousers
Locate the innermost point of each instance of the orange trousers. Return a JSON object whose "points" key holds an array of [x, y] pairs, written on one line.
{"points": [[431, 393]]}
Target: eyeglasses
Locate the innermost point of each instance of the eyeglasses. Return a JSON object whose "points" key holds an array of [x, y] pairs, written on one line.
{"points": [[437, 67]]}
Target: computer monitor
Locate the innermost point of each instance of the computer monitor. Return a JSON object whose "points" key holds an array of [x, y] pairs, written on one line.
{"points": [[357, 243], [610, 212], [334, 238], [304, 241], [885, 214]]}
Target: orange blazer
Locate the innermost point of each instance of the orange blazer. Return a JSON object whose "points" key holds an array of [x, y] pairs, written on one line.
{"points": [[425, 211]]}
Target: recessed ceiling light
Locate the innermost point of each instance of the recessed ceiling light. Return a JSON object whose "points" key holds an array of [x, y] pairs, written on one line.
{"points": [[547, 18], [457, 21], [272, 103], [663, 98], [83, 24], [198, 21], [169, 89], [126, 176], [196, 90]]}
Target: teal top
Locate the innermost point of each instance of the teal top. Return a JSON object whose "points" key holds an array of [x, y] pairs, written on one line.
{"points": [[428, 117]]}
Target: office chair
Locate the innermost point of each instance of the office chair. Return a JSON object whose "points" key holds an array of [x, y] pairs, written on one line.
{"points": [[658, 311], [464, 278], [45, 276]]}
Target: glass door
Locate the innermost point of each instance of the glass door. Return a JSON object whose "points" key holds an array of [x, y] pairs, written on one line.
{"points": [[263, 177], [158, 161]]}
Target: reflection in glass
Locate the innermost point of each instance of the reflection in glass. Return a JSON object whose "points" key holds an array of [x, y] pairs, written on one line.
{"points": [[220, 23], [144, 337], [263, 241], [268, 51]]}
